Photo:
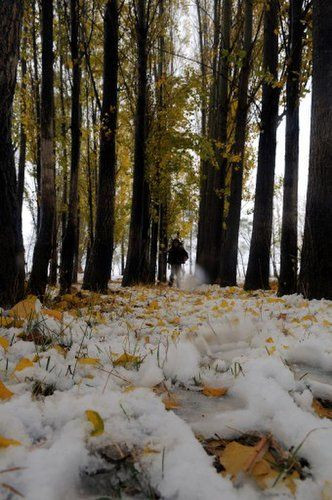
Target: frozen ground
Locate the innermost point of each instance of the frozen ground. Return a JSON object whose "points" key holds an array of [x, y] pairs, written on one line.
{"points": [[140, 358]]}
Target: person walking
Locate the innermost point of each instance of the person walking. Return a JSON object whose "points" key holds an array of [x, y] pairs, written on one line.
{"points": [[177, 256]]}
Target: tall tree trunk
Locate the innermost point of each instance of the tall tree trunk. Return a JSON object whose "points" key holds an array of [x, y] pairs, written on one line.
{"points": [[69, 243], [258, 270], [98, 270], [137, 266], [163, 243], [230, 248], [211, 214], [43, 247], [316, 259], [23, 135], [37, 106], [64, 207], [153, 249], [54, 255], [288, 251], [11, 242]]}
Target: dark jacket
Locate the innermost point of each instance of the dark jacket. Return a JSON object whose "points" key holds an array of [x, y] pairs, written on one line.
{"points": [[177, 255]]}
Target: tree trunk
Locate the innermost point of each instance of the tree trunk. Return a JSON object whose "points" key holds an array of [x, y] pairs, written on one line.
{"points": [[153, 249], [258, 270], [230, 249], [288, 250], [11, 243], [37, 107], [69, 243], [43, 247], [137, 266], [316, 260], [163, 243], [211, 213], [98, 270], [23, 136]]}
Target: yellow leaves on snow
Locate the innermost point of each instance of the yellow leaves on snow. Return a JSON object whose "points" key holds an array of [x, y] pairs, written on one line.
{"points": [[53, 313], [23, 364], [25, 309], [126, 359], [5, 393], [254, 461], [97, 422], [322, 410], [170, 402], [214, 392], [89, 361], [5, 442], [4, 343]]}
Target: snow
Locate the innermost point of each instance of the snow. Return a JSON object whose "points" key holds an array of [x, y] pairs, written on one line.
{"points": [[274, 355]]}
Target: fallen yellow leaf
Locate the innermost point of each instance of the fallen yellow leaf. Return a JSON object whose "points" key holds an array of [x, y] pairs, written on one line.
{"points": [[269, 340], [53, 313], [25, 309], [126, 358], [4, 442], [170, 402], [4, 392], [321, 410], [89, 361], [4, 343], [214, 392], [22, 364], [97, 422]]}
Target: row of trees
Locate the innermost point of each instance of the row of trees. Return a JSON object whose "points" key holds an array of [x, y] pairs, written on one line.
{"points": [[104, 122]]}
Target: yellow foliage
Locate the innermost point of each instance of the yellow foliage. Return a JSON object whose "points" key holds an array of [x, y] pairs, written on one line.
{"points": [[58, 315], [89, 361], [23, 364], [4, 392], [126, 358], [4, 442], [97, 422], [4, 343], [214, 392], [26, 309]]}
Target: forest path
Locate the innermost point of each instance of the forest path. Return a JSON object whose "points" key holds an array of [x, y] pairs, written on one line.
{"points": [[124, 393]]}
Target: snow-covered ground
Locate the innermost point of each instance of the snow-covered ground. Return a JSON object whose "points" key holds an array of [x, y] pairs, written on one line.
{"points": [[127, 370]]}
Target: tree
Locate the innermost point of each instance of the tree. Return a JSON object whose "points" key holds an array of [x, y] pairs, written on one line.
{"points": [[11, 242], [288, 251], [228, 268], [258, 270], [69, 243], [137, 265], [214, 171], [43, 247], [316, 263], [98, 270]]}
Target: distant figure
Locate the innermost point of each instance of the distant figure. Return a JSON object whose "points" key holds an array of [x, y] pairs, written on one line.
{"points": [[177, 256]]}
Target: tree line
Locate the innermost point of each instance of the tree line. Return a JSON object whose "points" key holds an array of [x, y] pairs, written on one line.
{"points": [[126, 139]]}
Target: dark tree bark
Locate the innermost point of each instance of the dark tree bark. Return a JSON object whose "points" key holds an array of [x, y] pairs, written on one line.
{"points": [[23, 136], [288, 250], [316, 260], [137, 266], [98, 270], [69, 242], [153, 250], [36, 85], [257, 275], [11, 243], [43, 247], [163, 243], [211, 215], [230, 249]]}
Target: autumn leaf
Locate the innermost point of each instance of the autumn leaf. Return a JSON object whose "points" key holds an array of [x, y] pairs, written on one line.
{"points": [[321, 410], [4, 442], [214, 392], [269, 340], [4, 392], [170, 402], [23, 364], [89, 361], [53, 313], [4, 343], [95, 419], [26, 309], [126, 358]]}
